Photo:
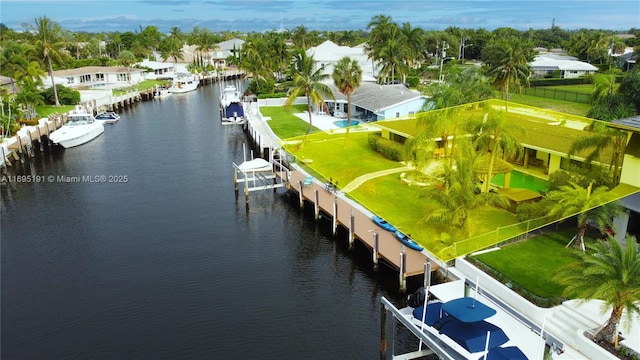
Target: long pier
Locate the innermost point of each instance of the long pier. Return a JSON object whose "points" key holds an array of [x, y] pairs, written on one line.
{"points": [[341, 210]]}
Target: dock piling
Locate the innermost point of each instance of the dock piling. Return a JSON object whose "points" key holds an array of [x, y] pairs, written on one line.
{"points": [[375, 250], [403, 269], [334, 226], [316, 205], [351, 229], [383, 332]]}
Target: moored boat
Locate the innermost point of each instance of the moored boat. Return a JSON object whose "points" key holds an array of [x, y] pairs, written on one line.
{"points": [[184, 83], [80, 128], [231, 106], [108, 117]]}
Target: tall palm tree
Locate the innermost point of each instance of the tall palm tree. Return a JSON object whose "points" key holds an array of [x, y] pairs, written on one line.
{"points": [[308, 82], [457, 196], [603, 139], [392, 55], [508, 60], [602, 85], [497, 137], [49, 45], [589, 205], [347, 76], [170, 47], [610, 273]]}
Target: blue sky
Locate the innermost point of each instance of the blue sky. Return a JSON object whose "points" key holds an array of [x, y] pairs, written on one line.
{"points": [[260, 15]]}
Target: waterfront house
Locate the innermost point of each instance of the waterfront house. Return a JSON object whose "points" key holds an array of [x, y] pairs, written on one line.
{"points": [[99, 77], [161, 70], [547, 140], [371, 102]]}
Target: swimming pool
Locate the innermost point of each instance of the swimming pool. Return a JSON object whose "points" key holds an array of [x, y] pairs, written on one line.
{"points": [[343, 123], [522, 181]]}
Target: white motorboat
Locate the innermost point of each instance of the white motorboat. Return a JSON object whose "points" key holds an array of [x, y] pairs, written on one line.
{"points": [[183, 84], [163, 93], [80, 128], [231, 107], [108, 117], [255, 165]]}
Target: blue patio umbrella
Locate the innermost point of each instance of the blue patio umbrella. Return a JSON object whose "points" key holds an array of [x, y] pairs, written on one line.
{"points": [[504, 353]]}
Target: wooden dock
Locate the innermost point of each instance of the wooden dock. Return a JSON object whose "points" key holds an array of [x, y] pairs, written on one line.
{"points": [[357, 221]]}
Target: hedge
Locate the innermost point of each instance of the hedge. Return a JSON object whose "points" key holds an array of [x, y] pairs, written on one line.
{"points": [[387, 148]]}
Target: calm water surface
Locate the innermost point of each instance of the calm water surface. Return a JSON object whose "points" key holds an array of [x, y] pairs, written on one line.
{"points": [[168, 265]]}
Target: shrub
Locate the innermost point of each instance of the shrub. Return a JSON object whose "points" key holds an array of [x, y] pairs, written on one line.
{"points": [[580, 176], [66, 96], [413, 81], [261, 86], [387, 148]]}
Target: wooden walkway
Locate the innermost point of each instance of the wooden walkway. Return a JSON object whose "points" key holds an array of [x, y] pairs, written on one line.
{"points": [[389, 247]]}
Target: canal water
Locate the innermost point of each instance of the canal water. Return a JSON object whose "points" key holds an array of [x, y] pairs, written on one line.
{"points": [[133, 246]]}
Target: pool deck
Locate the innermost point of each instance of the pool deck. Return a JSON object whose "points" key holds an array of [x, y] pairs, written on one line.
{"points": [[325, 122]]}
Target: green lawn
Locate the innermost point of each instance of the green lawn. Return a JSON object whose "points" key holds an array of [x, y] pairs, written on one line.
{"points": [[532, 264], [47, 110], [581, 88], [283, 121], [326, 157], [568, 107], [144, 85]]}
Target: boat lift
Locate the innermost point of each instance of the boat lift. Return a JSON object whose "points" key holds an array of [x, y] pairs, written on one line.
{"points": [[266, 174]]}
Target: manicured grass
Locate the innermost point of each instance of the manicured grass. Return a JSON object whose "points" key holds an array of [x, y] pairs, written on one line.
{"points": [[568, 107], [145, 85], [47, 110], [581, 88], [389, 197], [328, 156], [283, 121], [533, 263]]}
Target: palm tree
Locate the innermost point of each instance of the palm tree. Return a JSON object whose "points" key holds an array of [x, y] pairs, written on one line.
{"points": [[603, 139], [602, 86], [457, 196], [347, 76], [392, 54], [49, 45], [467, 86], [610, 273], [496, 136], [508, 60], [308, 82], [595, 206]]}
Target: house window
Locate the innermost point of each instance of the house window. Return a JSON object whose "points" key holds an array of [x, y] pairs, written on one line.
{"points": [[122, 77], [99, 77], [85, 79], [397, 114], [70, 80], [411, 113]]}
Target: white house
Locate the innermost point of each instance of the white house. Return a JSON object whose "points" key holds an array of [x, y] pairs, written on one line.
{"points": [[328, 54], [100, 77], [160, 69], [378, 102], [568, 66], [226, 49]]}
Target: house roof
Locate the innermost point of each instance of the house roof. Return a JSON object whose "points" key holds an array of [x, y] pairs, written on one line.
{"points": [[155, 65], [544, 134], [95, 70], [229, 44], [328, 51], [555, 62], [376, 98]]}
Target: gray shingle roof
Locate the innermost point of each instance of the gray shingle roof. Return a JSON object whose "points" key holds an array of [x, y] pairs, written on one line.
{"points": [[374, 97]]}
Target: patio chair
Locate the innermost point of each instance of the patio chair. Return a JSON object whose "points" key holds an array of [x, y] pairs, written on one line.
{"points": [[308, 181]]}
